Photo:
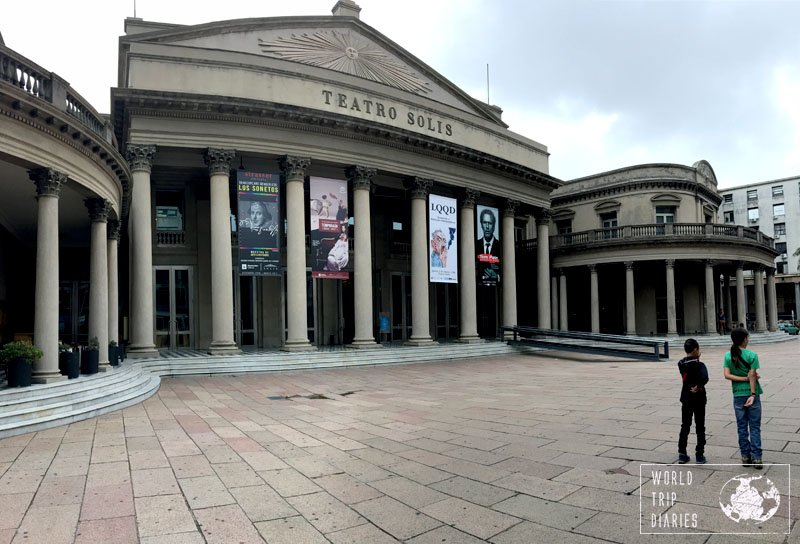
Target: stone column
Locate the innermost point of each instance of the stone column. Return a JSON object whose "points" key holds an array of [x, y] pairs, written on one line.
{"points": [[672, 321], [562, 299], [711, 307], [361, 179], [420, 303], [595, 298], [797, 300], [294, 171], [509, 265], [741, 304], [98, 276], [554, 303], [219, 167], [761, 318], [466, 261], [728, 302], [543, 268], [113, 281], [630, 300], [772, 301], [45, 318], [140, 238]]}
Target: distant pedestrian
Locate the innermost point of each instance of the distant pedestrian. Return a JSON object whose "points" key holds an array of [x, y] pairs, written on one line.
{"points": [[694, 375], [741, 368], [722, 322]]}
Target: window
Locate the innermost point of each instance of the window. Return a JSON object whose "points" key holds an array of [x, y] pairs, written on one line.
{"points": [[777, 191], [169, 210], [781, 268], [752, 194], [752, 214], [564, 226], [777, 210], [780, 247], [728, 217], [609, 220], [665, 214], [728, 198], [780, 229]]}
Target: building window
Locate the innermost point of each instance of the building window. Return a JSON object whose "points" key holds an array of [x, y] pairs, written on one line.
{"points": [[728, 217], [780, 247], [608, 220], [777, 210], [665, 214], [777, 191], [564, 226], [752, 194], [169, 210], [780, 229], [752, 215], [781, 268], [728, 198]]}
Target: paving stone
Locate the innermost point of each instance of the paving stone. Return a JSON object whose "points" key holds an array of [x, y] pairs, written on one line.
{"points": [[527, 532], [325, 512], [176, 538], [474, 471], [107, 502], [205, 491], [191, 466], [13, 508], [361, 534], [445, 534], [536, 487], [408, 491], [603, 500], [116, 530], [472, 491], [395, 518], [147, 459], [61, 490], [347, 489], [288, 482], [106, 474], [163, 515], [225, 524], [419, 473], [49, 524], [155, 481], [600, 479], [553, 514], [237, 474], [262, 503], [294, 530], [473, 519]]}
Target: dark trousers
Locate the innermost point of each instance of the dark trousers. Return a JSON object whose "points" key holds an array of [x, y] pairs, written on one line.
{"points": [[698, 411]]}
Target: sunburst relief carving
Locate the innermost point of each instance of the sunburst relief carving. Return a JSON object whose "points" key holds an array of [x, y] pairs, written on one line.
{"points": [[348, 53]]}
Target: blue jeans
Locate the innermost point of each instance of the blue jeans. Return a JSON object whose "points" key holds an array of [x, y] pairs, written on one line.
{"points": [[748, 425]]}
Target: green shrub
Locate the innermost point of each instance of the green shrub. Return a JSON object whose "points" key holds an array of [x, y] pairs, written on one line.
{"points": [[94, 344], [20, 350]]}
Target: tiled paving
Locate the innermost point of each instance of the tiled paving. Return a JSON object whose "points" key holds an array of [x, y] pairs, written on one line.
{"points": [[525, 449]]}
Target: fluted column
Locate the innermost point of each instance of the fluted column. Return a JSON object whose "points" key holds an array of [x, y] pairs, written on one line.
{"points": [[466, 260], [741, 305], [113, 281], [45, 319], [98, 277], [543, 268], [361, 179], [294, 171], [140, 239], [563, 323], [772, 303], [630, 300], [554, 302], [509, 264], [595, 298], [761, 318], [672, 320], [711, 307], [219, 167], [420, 303]]}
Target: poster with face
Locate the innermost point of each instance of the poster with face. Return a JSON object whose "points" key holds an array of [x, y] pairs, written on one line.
{"points": [[488, 249], [258, 201], [330, 245], [443, 238]]}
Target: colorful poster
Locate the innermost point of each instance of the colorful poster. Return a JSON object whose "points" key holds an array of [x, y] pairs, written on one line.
{"points": [[488, 249], [258, 224], [330, 245], [442, 233]]}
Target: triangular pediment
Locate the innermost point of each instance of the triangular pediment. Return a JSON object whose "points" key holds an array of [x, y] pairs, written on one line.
{"points": [[341, 45]]}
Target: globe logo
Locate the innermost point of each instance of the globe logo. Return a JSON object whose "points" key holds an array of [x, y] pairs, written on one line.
{"points": [[746, 498]]}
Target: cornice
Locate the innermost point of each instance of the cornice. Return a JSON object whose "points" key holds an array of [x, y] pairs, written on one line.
{"points": [[685, 185]]}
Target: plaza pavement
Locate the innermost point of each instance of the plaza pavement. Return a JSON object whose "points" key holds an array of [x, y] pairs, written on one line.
{"points": [[535, 448]]}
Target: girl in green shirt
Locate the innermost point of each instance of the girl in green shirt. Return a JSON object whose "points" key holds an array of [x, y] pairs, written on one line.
{"points": [[741, 368]]}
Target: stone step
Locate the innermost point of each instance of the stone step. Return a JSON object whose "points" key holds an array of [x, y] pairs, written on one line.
{"points": [[11, 396]]}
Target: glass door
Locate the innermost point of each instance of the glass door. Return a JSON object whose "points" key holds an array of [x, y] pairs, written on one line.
{"points": [[73, 312], [172, 287], [401, 307], [447, 317], [244, 310]]}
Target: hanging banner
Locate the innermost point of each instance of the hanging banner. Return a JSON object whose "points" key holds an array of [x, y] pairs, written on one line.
{"points": [[442, 222], [488, 249], [330, 249], [259, 251]]}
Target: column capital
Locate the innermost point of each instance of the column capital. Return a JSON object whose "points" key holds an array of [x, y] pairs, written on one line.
{"points": [[670, 263], [770, 270], [113, 230], [420, 187], [219, 160], [469, 197], [562, 272], [360, 176], [740, 265], [48, 181], [99, 208], [592, 268], [709, 263], [293, 166], [759, 268], [511, 208], [542, 216], [140, 157], [628, 265]]}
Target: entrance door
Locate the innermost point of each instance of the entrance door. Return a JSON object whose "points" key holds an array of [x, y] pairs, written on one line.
{"points": [[73, 312], [487, 311], [447, 317], [173, 307], [401, 307], [244, 310]]}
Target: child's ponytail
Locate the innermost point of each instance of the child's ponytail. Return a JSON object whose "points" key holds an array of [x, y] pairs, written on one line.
{"points": [[738, 336]]}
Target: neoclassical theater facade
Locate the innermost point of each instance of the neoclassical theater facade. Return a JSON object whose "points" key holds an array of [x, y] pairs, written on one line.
{"points": [[297, 182]]}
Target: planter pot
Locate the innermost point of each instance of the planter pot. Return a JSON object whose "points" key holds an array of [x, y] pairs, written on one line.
{"points": [[20, 373], [90, 361], [69, 363], [114, 355]]}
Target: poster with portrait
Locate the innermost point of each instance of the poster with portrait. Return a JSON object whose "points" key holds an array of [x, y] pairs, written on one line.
{"points": [[443, 239], [330, 244], [488, 249], [258, 223]]}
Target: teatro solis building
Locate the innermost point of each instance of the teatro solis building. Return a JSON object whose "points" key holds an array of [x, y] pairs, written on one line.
{"points": [[304, 181]]}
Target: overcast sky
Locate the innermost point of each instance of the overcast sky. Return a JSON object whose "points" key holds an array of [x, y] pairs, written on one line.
{"points": [[603, 83]]}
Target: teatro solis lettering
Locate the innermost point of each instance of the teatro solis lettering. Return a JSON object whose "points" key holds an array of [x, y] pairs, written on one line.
{"points": [[379, 109], [672, 481]]}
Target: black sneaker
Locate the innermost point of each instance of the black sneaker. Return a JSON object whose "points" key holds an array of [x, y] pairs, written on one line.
{"points": [[746, 461], [683, 458], [701, 459], [758, 464]]}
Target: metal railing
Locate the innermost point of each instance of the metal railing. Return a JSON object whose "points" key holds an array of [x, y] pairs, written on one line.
{"points": [[588, 342]]}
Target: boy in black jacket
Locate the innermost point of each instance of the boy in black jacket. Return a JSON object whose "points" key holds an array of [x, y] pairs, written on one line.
{"points": [[693, 400]]}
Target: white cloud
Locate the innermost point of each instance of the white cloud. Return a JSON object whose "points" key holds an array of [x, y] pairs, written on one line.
{"points": [[785, 93]]}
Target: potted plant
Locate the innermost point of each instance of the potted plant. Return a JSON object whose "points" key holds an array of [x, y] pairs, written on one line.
{"points": [[19, 358], [90, 357], [113, 353], [69, 361]]}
